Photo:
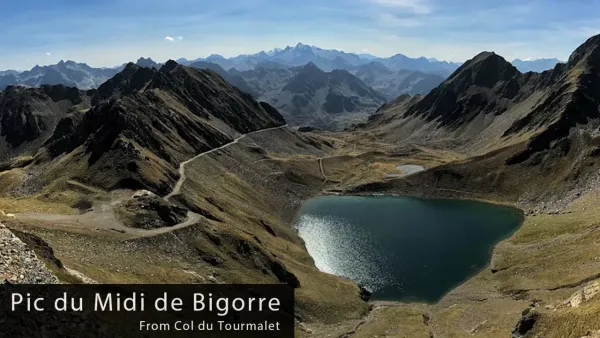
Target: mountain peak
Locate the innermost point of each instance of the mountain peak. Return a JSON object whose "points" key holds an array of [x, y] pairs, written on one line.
{"points": [[486, 69], [169, 66], [311, 67], [484, 55], [215, 57], [130, 65], [588, 52], [143, 62]]}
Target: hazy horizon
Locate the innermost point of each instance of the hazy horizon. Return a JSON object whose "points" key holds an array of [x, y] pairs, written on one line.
{"points": [[109, 33], [206, 56]]}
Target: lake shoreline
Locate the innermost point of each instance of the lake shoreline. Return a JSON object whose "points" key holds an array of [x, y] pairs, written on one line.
{"points": [[325, 259]]}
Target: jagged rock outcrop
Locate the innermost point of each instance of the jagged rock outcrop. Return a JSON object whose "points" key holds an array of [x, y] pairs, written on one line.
{"points": [[147, 63], [526, 323], [133, 78]]}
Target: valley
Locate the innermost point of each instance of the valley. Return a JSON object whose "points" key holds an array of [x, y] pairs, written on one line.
{"points": [[174, 174]]}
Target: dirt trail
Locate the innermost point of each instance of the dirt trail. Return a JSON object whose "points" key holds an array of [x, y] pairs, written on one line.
{"points": [[103, 218]]}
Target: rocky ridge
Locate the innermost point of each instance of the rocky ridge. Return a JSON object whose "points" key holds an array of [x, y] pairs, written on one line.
{"points": [[19, 264]]}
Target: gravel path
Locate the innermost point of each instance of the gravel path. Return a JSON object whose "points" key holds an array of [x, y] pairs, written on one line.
{"points": [[19, 264]]}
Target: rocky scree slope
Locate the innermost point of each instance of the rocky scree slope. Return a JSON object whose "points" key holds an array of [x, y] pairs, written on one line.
{"points": [[19, 264]]}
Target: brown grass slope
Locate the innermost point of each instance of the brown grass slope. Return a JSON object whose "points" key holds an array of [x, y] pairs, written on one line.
{"points": [[244, 195]]}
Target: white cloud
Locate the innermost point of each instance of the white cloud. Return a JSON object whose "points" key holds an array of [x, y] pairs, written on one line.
{"points": [[180, 38], [414, 6], [528, 59], [48, 53], [364, 50], [168, 38]]}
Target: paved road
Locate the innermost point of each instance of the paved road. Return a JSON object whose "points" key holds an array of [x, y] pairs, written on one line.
{"points": [[182, 177], [103, 217]]}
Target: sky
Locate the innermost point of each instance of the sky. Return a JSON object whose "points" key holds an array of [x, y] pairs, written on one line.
{"points": [[106, 33]]}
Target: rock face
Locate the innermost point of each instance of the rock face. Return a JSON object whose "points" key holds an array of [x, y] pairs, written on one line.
{"points": [[29, 115], [585, 294], [145, 122], [132, 79], [526, 323], [148, 63], [485, 84], [151, 212], [19, 264]]}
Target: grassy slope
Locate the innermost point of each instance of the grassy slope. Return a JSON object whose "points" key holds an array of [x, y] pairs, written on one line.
{"points": [[259, 181]]}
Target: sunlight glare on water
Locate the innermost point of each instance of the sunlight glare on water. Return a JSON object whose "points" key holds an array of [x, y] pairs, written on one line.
{"points": [[340, 249]]}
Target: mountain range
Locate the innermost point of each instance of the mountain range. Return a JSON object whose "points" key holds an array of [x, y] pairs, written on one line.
{"points": [[540, 120], [327, 60], [67, 73], [329, 100], [172, 173], [357, 84], [538, 65], [83, 76]]}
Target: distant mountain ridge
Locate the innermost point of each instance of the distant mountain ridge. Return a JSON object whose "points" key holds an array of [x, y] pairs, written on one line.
{"points": [[81, 75], [538, 65], [395, 83], [68, 73], [330, 59]]}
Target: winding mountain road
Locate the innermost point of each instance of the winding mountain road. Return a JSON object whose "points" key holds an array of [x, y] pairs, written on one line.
{"points": [[182, 177], [103, 218]]}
